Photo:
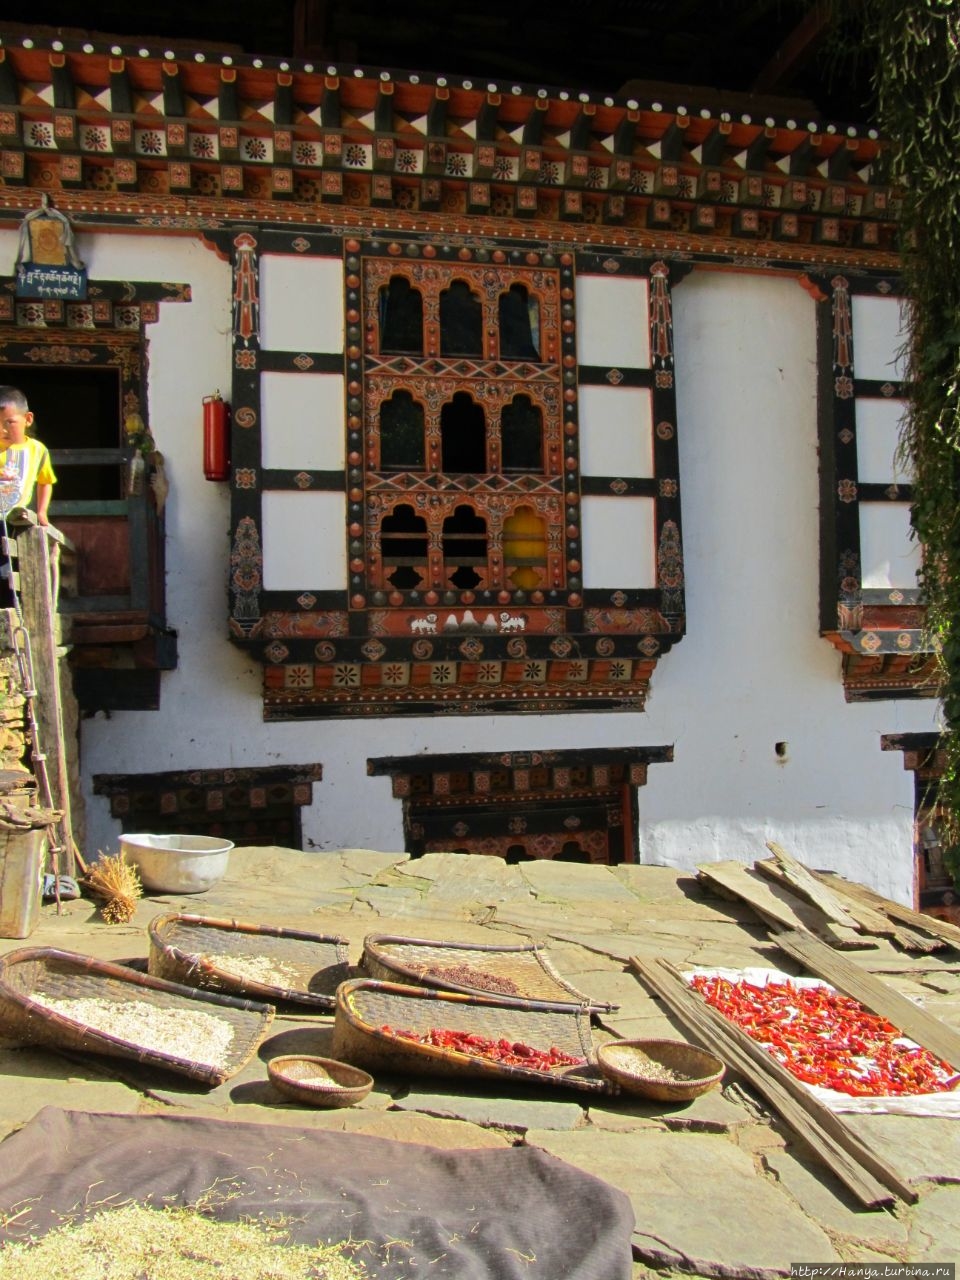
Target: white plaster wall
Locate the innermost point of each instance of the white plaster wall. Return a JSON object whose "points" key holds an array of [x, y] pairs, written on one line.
{"points": [[751, 672]]}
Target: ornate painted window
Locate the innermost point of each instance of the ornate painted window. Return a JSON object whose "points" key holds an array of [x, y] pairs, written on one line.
{"points": [[83, 367], [870, 602], [250, 806], [455, 475], [573, 806]]}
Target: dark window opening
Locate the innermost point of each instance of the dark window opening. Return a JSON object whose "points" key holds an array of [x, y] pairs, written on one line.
{"points": [[521, 435], [76, 414], [405, 578], [519, 325], [463, 436], [465, 546], [403, 542], [403, 534], [401, 318], [571, 852], [516, 854], [401, 433], [461, 321]]}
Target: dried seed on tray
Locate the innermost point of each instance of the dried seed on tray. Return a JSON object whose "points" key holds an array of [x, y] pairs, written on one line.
{"points": [[189, 1034], [266, 970], [467, 975]]}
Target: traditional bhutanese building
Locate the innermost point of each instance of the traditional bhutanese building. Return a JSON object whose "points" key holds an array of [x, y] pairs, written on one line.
{"points": [[563, 515]]}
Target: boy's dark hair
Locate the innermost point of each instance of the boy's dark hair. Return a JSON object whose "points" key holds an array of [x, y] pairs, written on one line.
{"points": [[15, 397]]}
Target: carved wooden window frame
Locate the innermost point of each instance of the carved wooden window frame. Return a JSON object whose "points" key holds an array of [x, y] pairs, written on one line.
{"points": [[372, 649], [879, 631]]}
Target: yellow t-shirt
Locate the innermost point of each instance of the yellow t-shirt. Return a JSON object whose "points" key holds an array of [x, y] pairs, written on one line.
{"points": [[30, 461]]}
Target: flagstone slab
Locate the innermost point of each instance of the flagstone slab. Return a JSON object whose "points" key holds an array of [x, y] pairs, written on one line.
{"points": [[690, 1194], [512, 1113], [61, 1082], [454, 876], [712, 1112], [825, 1199], [576, 882], [935, 1226], [920, 1147]]}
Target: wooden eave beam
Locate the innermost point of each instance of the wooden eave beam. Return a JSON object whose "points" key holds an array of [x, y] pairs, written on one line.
{"points": [[64, 90], [383, 111], [580, 132], [330, 106], [9, 94], [533, 127], [174, 103], [672, 143], [624, 137], [228, 106], [437, 114], [283, 99], [802, 159], [757, 151], [487, 118], [121, 96], [713, 147]]}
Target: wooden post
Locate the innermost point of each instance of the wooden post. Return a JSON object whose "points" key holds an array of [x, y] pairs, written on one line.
{"points": [[38, 552]]}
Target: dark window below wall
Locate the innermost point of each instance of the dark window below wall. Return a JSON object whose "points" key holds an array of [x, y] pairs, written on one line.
{"points": [[248, 806]]}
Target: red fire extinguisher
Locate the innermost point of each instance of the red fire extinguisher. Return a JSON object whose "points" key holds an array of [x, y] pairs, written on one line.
{"points": [[216, 438]]}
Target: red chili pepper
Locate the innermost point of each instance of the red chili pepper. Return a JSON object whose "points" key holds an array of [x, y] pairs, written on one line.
{"points": [[827, 1038], [509, 1053]]}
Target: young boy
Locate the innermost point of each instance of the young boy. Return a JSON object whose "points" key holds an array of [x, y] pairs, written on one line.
{"points": [[24, 462]]}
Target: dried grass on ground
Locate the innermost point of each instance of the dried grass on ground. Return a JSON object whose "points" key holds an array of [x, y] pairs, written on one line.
{"points": [[136, 1242]]}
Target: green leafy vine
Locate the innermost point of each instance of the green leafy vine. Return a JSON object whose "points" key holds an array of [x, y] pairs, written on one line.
{"points": [[916, 47]]}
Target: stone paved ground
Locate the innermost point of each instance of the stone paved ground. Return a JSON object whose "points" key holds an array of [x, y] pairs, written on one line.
{"points": [[718, 1187]]}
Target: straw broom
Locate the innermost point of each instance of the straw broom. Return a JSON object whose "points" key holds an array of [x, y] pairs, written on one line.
{"points": [[117, 882]]}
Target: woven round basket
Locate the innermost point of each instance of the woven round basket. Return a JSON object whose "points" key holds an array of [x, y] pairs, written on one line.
{"points": [[320, 1082], [666, 1070]]}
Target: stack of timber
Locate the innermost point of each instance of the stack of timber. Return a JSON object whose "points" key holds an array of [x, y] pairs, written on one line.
{"points": [[787, 896]]}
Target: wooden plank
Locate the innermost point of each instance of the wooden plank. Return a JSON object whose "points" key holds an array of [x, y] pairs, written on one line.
{"points": [[775, 905], [809, 887], [869, 921], [874, 993], [867, 1175], [874, 920], [941, 929]]}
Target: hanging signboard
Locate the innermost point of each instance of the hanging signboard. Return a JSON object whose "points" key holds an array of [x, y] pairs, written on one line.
{"points": [[47, 262]]}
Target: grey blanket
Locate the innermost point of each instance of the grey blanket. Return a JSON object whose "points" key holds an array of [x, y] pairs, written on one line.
{"points": [[463, 1214]]}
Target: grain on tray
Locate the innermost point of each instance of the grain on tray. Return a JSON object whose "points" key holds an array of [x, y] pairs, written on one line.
{"points": [[267, 970], [188, 1034], [467, 975], [640, 1065]]}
